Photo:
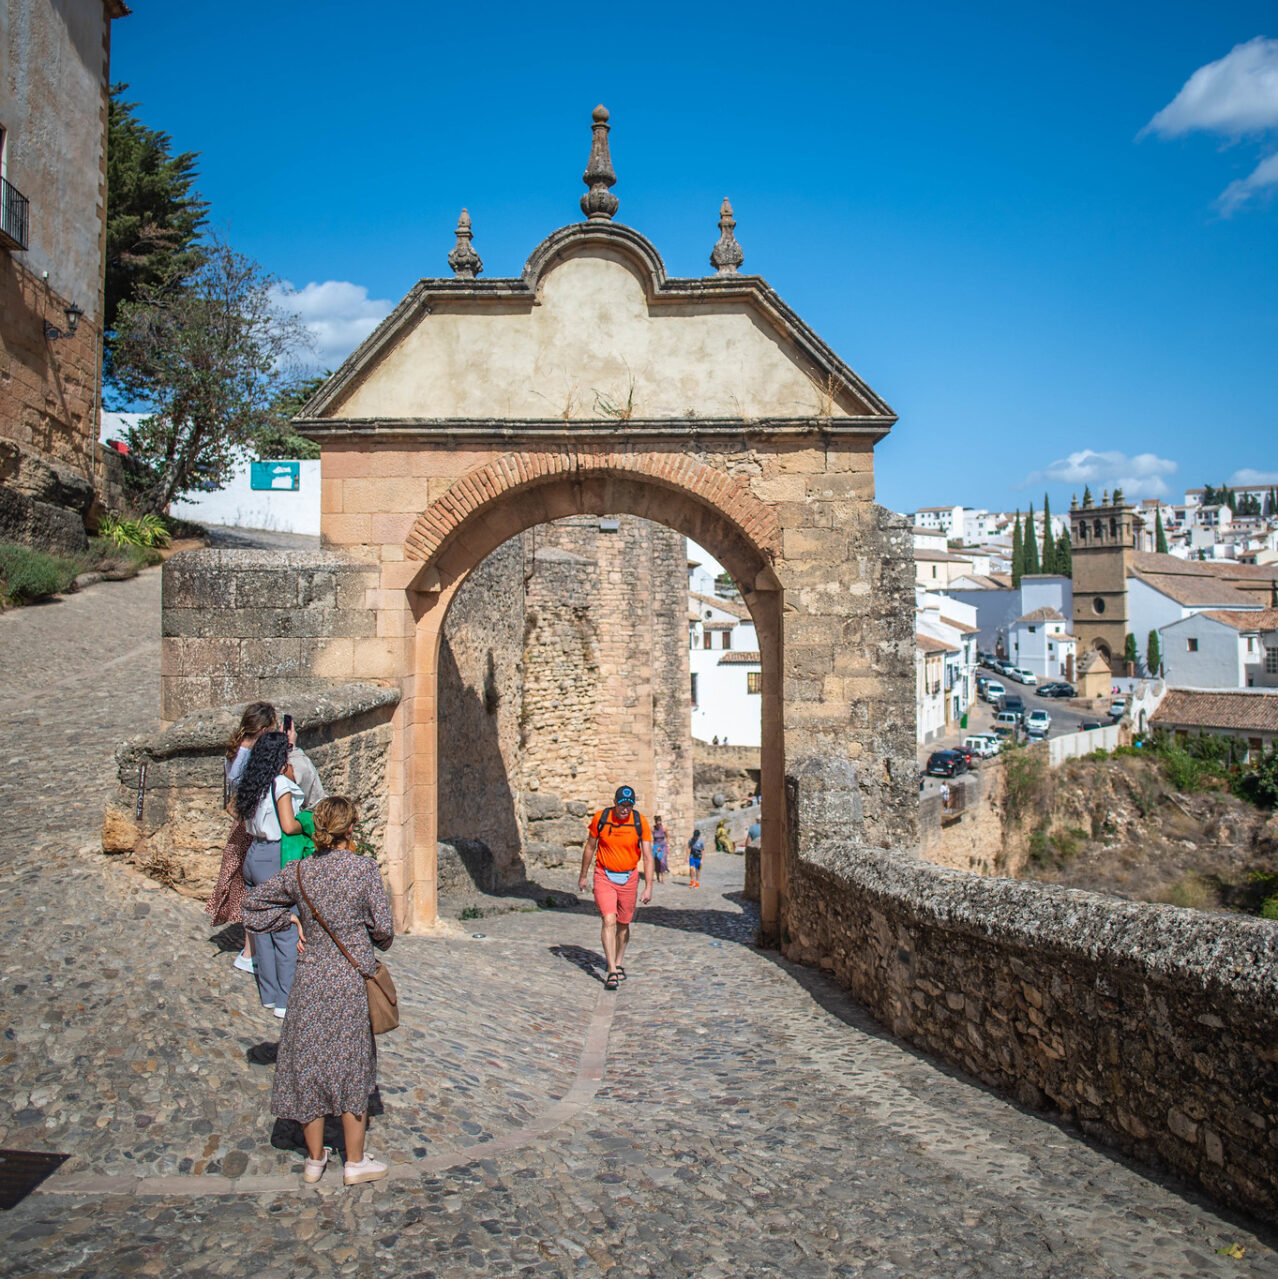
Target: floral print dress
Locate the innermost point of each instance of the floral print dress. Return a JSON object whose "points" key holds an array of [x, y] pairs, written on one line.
{"points": [[327, 1062]]}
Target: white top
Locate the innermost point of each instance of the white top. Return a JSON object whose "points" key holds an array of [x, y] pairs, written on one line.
{"points": [[265, 822], [235, 767]]}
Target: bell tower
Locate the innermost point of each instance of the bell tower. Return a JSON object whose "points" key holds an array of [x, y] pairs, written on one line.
{"points": [[1105, 539]]}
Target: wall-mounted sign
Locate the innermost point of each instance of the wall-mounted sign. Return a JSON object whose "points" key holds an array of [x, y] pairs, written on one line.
{"points": [[286, 476]]}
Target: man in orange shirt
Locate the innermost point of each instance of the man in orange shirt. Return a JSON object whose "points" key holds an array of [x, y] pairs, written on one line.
{"points": [[620, 838]]}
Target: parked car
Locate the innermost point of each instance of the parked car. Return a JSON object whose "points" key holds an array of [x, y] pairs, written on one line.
{"points": [[1038, 722], [981, 681], [1057, 690], [983, 745], [1090, 723], [1118, 708], [993, 691], [1015, 705], [946, 763], [1023, 676], [970, 757], [1006, 724]]}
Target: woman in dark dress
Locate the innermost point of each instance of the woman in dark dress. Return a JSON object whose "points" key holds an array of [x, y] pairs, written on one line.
{"points": [[327, 1062]]}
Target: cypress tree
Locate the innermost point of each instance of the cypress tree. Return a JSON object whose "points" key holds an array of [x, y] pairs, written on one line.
{"points": [[1153, 654], [1064, 555], [1049, 542], [1129, 650], [1160, 537], [1031, 544], [1087, 495], [1018, 552]]}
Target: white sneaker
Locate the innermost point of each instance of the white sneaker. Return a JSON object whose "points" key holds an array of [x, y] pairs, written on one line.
{"points": [[366, 1170], [314, 1169], [245, 964], [281, 1012]]}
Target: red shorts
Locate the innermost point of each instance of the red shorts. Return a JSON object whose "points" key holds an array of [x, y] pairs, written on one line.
{"points": [[616, 899]]}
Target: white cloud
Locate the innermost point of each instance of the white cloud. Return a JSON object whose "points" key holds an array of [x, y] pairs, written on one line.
{"points": [[1237, 193], [1139, 476], [340, 315], [1235, 95], [1248, 478]]}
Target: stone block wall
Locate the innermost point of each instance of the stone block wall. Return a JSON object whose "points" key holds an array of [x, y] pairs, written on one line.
{"points": [[243, 625], [480, 695], [606, 688], [1149, 1026], [182, 830]]}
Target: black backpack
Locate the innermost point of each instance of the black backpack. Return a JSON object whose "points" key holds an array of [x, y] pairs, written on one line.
{"points": [[605, 819]]}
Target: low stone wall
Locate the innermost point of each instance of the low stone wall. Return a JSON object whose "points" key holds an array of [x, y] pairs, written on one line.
{"points": [[1150, 1026], [182, 830]]}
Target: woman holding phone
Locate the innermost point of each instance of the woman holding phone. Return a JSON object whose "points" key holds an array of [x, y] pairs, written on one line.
{"points": [[266, 800]]}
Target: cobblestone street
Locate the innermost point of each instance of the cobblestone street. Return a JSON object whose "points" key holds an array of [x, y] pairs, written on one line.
{"points": [[724, 1114]]}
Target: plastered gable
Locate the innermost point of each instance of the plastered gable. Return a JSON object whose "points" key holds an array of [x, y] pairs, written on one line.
{"points": [[593, 342]]}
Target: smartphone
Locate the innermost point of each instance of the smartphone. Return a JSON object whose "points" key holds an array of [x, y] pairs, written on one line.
{"points": [[288, 723]]}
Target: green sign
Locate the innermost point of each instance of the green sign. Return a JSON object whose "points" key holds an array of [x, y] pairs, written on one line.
{"points": [[285, 476]]}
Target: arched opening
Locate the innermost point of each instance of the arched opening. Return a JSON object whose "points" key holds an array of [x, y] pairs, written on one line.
{"points": [[453, 543]]}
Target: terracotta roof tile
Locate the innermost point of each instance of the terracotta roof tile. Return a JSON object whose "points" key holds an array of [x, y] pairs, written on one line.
{"points": [[928, 644], [1260, 619], [1044, 614], [735, 607], [1240, 709], [739, 657], [961, 626]]}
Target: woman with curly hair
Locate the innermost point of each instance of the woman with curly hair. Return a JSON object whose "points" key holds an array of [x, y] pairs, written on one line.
{"points": [[265, 801], [224, 903], [327, 1062]]}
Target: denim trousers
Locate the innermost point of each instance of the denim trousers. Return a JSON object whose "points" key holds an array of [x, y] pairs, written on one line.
{"points": [[276, 953]]}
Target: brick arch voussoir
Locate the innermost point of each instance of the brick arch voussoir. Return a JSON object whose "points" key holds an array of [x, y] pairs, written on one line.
{"points": [[513, 473]]}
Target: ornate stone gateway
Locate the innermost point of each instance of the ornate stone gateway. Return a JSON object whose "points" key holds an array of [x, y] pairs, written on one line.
{"points": [[595, 384]]}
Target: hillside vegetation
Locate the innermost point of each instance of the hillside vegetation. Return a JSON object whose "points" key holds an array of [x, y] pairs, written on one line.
{"points": [[1160, 825]]}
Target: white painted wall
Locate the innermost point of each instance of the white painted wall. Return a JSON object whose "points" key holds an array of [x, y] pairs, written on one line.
{"points": [[238, 505], [1072, 745], [724, 706], [1218, 663]]}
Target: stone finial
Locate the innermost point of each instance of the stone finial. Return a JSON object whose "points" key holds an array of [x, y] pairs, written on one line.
{"points": [[727, 255], [1105, 498], [466, 263], [1073, 501], [599, 204]]}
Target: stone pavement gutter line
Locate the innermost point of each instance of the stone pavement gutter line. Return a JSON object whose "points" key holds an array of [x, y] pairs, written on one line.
{"points": [[590, 1073]]}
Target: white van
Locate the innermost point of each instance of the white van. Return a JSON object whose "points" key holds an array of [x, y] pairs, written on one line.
{"points": [[983, 745]]}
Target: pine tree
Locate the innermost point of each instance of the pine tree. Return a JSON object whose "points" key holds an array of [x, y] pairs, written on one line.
{"points": [[1031, 544], [1129, 650], [1018, 552], [1153, 655], [1064, 555], [1087, 495], [1049, 542], [1271, 504], [1160, 537]]}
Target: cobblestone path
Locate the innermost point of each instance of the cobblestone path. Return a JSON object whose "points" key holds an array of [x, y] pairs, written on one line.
{"points": [[750, 1120]]}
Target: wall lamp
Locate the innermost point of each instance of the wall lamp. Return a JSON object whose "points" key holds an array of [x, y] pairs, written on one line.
{"points": [[73, 314]]}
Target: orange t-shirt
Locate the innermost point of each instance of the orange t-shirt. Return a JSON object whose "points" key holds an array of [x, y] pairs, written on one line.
{"points": [[619, 844]]}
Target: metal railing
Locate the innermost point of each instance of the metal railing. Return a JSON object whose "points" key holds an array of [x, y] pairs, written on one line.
{"points": [[15, 216]]}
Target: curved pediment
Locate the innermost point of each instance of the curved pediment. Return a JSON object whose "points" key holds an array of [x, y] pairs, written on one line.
{"points": [[593, 331]]}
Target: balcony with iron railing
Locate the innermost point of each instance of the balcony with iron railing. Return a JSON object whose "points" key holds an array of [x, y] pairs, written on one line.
{"points": [[15, 217]]}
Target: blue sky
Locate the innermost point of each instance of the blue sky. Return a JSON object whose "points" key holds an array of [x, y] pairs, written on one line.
{"points": [[967, 201]]}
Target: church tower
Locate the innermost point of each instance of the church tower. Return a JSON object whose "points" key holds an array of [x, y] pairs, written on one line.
{"points": [[1105, 540]]}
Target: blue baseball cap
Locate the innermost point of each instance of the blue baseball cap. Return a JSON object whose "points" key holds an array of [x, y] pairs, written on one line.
{"points": [[624, 795]]}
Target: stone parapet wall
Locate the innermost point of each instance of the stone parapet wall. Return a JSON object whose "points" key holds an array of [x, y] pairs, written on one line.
{"points": [[183, 827], [243, 625], [1150, 1026]]}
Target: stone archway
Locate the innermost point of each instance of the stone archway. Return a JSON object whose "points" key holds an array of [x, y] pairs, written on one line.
{"points": [[593, 383]]}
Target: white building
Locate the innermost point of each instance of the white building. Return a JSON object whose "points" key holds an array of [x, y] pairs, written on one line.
{"points": [[1040, 641], [953, 628], [929, 685], [1220, 648], [949, 519], [726, 671]]}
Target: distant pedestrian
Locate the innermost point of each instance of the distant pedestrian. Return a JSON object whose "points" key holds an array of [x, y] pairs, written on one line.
{"points": [[696, 846], [660, 849], [266, 799], [327, 1062], [754, 836], [722, 839], [715, 741], [618, 841], [945, 796]]}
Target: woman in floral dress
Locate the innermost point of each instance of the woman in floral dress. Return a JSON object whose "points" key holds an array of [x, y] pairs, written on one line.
{"points": [[327, 1062]]}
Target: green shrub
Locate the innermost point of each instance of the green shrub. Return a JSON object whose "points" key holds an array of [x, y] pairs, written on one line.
{"points": [[1260, 785], [1188, 772], [1025, 780], [26, 574], [471, 912], [1190, 890], [149, 530]]}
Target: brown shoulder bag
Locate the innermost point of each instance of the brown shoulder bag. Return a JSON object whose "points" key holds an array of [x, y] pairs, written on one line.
{"points": [[383, 1003]]}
